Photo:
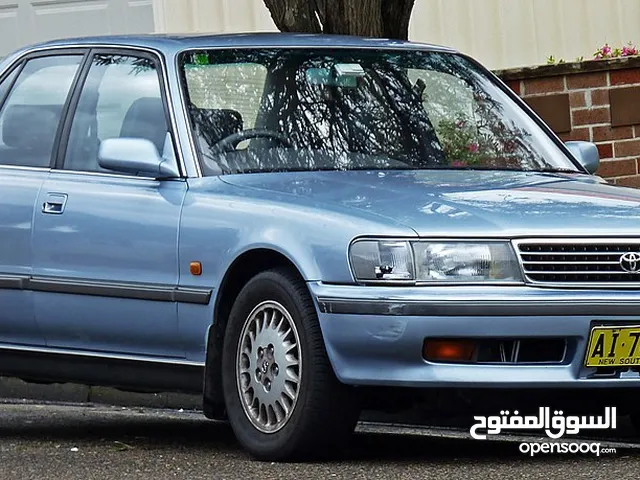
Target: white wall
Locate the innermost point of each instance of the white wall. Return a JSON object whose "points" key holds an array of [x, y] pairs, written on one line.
{"points": [[180, 16], [506, 33], [28, 21], [500, 33]]}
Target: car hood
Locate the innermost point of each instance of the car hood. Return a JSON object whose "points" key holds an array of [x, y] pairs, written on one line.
{"points": [[468, 203]]}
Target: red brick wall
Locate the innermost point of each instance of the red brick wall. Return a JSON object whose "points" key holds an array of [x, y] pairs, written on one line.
{"points": [[591, 106]]}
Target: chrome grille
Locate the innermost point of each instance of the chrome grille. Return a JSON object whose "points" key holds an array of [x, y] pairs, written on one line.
{"points": [[566, 262]]}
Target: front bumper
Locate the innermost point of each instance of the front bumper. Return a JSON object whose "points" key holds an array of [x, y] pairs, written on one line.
{"points": [[375, 335]]}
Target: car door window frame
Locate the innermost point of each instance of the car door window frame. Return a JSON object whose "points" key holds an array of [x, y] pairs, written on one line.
{"points": [[15, 70], [19, 65], [74, 101]]}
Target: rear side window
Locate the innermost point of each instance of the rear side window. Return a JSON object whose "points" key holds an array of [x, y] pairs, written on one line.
{"points": [[32, 111]]}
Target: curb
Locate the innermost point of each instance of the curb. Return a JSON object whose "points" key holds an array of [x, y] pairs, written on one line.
{"points": [[16, 389]]}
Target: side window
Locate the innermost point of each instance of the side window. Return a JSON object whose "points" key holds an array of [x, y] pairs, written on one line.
{"points": [[120, 98], [31, 113]]}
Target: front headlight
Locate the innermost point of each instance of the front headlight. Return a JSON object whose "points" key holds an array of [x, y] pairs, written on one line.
{"points": [[382, 260], [466, 262], [434, 262]]}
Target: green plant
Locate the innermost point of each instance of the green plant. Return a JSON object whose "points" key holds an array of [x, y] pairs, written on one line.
{"points": [[604, 52], [460, 141], [551, 60]]}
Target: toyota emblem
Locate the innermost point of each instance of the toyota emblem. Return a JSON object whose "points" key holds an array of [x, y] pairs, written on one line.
{"points": [[630, 262]]}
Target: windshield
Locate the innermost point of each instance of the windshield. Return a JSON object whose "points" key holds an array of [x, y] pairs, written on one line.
{"points": [[281, 110]]}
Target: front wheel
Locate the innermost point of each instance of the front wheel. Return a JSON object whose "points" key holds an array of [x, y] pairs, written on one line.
{"points": [[282, 397]]}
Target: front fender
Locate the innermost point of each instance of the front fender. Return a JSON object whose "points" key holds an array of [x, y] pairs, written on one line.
{"points": [[220, 222]]}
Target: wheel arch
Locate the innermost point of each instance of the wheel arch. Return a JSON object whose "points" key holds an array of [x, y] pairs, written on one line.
{"points": [[240, 271]]}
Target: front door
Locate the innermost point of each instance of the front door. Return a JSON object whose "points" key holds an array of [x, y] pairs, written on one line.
{"points": [[105, 245], [32, 95]]}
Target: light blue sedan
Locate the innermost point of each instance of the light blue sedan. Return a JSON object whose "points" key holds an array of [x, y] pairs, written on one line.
{"points": [[299, 227]]}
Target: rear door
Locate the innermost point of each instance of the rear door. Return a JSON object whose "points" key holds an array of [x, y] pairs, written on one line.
{"points": [[105, 245], [32, 98]]}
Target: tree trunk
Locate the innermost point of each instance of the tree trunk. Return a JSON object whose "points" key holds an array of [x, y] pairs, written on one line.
{"points": [[396, 15], [367, 18], [294, 15]]}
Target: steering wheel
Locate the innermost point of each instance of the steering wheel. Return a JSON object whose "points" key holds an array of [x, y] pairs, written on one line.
{"points": [[230, 143]]}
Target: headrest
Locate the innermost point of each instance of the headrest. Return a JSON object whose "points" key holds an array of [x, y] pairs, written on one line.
{"points": [[146, 119], [31, 127], [216, 124]]}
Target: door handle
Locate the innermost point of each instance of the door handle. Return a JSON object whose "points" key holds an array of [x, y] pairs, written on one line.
{"points": [[54, 203]]}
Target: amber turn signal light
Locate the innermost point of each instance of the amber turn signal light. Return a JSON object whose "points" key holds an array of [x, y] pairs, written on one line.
{"points": [[448, 350], [195, 268]]}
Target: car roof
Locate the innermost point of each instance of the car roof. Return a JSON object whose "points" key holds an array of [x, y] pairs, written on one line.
{"points": [[175, 42]]}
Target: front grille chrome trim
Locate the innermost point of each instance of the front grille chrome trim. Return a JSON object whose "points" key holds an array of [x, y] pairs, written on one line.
{"points": [[597, 267]]}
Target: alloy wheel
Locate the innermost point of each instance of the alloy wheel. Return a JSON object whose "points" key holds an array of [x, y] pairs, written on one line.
{"points": [[269, 366]]}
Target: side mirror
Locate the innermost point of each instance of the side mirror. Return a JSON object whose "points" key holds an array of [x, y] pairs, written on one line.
{"points": [[586, 153], [135, 156]]}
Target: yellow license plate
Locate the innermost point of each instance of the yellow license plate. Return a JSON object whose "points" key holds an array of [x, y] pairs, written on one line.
{"points": [[613, 347]]}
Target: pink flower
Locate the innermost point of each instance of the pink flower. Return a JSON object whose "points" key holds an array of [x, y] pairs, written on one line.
{"points": [[629, 50], [473, 147], [604, 52], [460, 123]]}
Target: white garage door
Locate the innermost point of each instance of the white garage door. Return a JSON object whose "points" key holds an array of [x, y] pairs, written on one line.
{"points": [[23, 22]]}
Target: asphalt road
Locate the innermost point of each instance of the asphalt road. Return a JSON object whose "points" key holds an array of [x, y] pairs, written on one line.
{"points": [[89, 442]]}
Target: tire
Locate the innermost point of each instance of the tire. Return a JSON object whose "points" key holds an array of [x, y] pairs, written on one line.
{"points": [[322, 413]]}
